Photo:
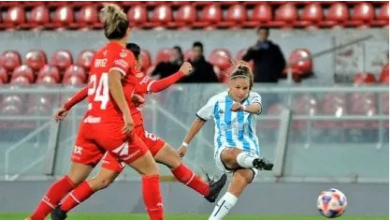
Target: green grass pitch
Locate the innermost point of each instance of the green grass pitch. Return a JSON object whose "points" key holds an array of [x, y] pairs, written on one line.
{"points": [[188, 217]]}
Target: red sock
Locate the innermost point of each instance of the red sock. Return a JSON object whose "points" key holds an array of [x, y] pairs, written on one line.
{"points": [[189, 178], [77, 196], [52, 198], [152, 197]]}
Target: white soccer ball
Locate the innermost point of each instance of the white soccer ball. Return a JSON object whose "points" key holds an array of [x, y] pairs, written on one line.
{"points": [[331, 203]]}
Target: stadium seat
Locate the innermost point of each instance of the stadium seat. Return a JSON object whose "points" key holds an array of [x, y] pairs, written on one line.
{"points": [[51, 71], [161, 16], [363, 13], [362, 104], [87, 16], [286, 15], [24, 71], [211, 15], [383, 15], [146, 60], [73, 81], [36, 59], [3, 75], [84, 59], [40, 105], [39, 16], [163, 55], [384, 97], [10, 110], [262, 14], [20, 81], [364, 78], [14, 100], [189, 55], [75, 70], [138, 16], [155, 3], [304, 105], [14, 17], [180, 3], [46, 80], [10, 60], [300, 62], [186, 16], [221, 58], [62, 59], [332, 104], [63, 17], [236, 14], [312, 14], [338, 14], [384, 77]]}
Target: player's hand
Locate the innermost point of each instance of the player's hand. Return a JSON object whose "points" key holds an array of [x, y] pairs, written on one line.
{"points": [[186, 68], [137, 100], [182, 151], [237, 107], [129, 124], [60, 114]]}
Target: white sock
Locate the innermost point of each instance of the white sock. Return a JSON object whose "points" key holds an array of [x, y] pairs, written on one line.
{"points": [[245, 160], [223, 206]]}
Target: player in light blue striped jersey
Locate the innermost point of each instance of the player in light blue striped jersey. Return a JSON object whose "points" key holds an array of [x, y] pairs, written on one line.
{"points": [[236, 145]]}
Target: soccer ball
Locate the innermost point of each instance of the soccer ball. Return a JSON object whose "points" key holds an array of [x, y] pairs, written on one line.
{"points": [[331, 203]]}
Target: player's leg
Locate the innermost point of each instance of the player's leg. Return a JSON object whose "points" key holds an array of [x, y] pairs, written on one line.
{"points": [[234, 158], [109, 171], [166, 155], [240, 181]]}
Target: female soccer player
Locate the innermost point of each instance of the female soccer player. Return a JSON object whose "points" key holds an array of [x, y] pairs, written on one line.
{"points": [[162, 151], [236, 145], [107, 123]]}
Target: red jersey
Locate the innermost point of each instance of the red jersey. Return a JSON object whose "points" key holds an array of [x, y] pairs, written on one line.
{"points": [[102, 107]]}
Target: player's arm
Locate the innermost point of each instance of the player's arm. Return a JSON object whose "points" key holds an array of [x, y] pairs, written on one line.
{"points": [[76, 98], [194, 129], [254, 107]]}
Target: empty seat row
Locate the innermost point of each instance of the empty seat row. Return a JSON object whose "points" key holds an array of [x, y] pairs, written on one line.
{"points": [[237, 15]]}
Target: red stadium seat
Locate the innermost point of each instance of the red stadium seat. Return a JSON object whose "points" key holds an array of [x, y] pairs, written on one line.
{"points": [[20, 81], [163, 55], [62, 59], [40, 15], [162, 15], [46, 80], [186, 15], [363, 13], [84, 59], [338, 14], [334, 104], [15, 16], [211, 15], [10, 110], [10, 60], [63, 16], [87, 16], [146, 60], [237, 14], [73, 81], [189, 55], [75, 70], [384, 77], [3, 75], [262, 14], [24, 71], [300, 62], [15, 100], [138, 15], [364, 78], [383, 16], [384, 97], [180, 3], [312, 14], [51, 71], [304, 105], [221, 58], [40, 105], [36, 59], [286, 15], [155, 3]]}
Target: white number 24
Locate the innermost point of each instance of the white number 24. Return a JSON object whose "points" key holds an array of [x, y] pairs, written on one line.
{"points": [[99, 90]]}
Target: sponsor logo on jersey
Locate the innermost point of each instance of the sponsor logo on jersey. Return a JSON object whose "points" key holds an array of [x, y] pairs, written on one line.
{"points": [[77, 150], [123, 54], [139, 75], [121, 63]]}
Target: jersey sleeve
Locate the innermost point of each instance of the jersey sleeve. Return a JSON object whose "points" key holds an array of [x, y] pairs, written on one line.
{"points": [[122, 61], [206, 112], [255, 98], [144, 84]]}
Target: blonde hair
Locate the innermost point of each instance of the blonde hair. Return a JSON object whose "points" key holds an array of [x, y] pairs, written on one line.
{"points": [[115, 21]]}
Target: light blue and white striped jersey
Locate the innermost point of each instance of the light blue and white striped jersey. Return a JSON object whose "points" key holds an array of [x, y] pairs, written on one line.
{"points": [[232, 129]]}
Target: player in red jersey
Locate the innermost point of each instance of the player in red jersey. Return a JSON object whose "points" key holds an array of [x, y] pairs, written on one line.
{"points": [[107, 124], [162, 152]]}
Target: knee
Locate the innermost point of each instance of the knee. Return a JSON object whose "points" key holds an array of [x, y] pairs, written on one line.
{"points": [[100, 183]]}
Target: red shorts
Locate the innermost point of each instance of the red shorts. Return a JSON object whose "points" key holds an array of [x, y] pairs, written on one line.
{"points": [[94, 140], [153, 143]]}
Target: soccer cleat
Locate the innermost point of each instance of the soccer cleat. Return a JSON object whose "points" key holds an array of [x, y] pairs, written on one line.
{"points": [[262, 164], [58, 214], [215, 187]]}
